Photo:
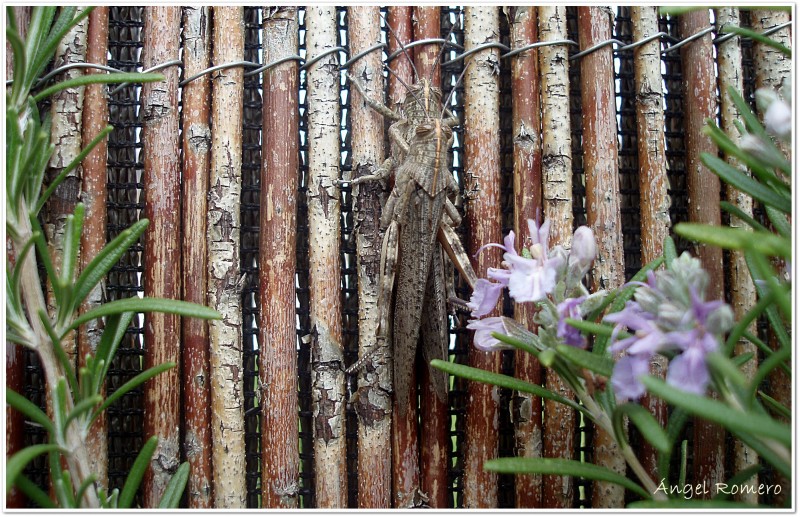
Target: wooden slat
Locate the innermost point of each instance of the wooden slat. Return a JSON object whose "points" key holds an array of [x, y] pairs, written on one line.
{"points": [[224, 272], [196, 164], [374, 403], [94, 176], [653, 197], [559, 420], [280, 462], [162, 261], [482, 148], [526, 115], [327, 362], [600, 163], [773, 70], [434, 419], [701, 103], [743, 294]]}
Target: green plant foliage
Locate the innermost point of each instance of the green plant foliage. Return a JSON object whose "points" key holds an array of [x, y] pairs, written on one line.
{"points": [[738, 403], [76, 398]]}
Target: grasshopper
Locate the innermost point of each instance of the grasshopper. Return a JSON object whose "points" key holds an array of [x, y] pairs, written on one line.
{"points": [[412, 292]]}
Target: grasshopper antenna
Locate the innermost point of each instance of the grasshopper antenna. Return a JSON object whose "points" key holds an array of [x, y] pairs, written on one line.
{"points": [[444, 48], [407, 87], [453, 91], [402, 47]]}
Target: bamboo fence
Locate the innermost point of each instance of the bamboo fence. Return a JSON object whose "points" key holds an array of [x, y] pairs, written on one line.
{"points": [[237, 159]]}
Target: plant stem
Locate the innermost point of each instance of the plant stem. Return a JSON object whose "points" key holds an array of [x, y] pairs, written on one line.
{"points": [[77, 456], [602, 420]]}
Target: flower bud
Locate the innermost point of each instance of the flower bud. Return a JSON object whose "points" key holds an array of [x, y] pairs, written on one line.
{"points": [[584, 250], [778, 119]]}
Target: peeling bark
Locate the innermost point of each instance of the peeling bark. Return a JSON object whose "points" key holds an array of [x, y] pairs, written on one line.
{"points": [[653, 182], [196, 164], [224, 274], [600, 162], [328, 390], [373, 399], [65, 134], [559, 420], [526, 115], [280, 463], [481, 148], [93, 238], [704, 187]]}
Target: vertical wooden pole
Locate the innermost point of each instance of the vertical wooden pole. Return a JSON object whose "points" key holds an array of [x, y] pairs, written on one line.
{"points": [[434, 418], [559, 420], [196, 163], [162, 261], [653, 198], [328, 390], [427, 25], [699, 80], [374, 402], [405, 432], [482, 147], [399, 19], [772, 70], [280, 461], [224, 273], [526, 115], [743, 294], [15, 359], [93, 238], [600, 161], [65, 133]]}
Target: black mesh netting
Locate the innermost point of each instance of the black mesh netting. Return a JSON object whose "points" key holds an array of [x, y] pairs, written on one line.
{"points": [[125, 168]]}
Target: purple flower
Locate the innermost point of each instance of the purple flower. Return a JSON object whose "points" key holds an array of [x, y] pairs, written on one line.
{"points": [[531, 280], [483, 339], [647, 337], [625, 377], [540, 237], [570, 308], [484, 297], [689, 372]]}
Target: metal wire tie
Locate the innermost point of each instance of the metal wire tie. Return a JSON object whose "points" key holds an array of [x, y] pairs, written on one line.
{"points": [[323, 54], [362, 54], [425, 41], [274, 63], [691, 38], [537, 45], [214, 68], [771, 30], [597, 46], [483, 46], [167, 64]]}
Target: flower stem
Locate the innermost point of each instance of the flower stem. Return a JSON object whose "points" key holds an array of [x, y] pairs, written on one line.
{"points": [[77, 456], [602, 419]]}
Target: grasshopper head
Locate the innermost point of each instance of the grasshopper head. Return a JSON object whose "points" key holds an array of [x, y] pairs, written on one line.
{"points": [[423, 101]]}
